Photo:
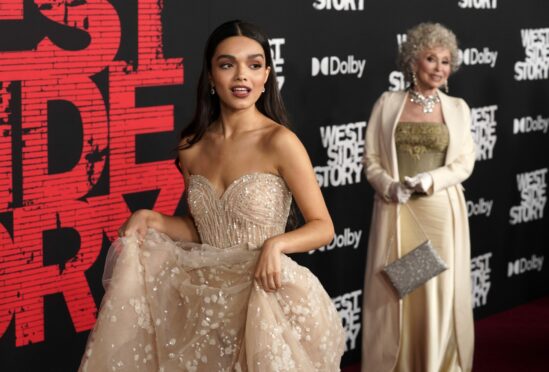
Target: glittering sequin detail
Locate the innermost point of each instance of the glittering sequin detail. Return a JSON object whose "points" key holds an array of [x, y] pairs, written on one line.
{"points": [[176, 306], [418, 138], [253, 208]]}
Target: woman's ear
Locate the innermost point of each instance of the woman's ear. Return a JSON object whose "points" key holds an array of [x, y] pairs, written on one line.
{"points": [[413, 67], [267, 72]]}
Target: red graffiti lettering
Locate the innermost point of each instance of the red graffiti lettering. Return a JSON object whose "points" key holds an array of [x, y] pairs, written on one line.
{"points": [[65, 200], [11, 10]]}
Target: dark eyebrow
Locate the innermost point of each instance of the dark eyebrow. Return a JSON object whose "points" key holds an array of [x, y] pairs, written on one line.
{"points": [[251, 56], [228, 56]]}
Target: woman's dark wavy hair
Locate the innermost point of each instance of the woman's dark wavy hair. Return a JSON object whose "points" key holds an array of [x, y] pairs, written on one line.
{"points": [[207, 108], [207, 105]]}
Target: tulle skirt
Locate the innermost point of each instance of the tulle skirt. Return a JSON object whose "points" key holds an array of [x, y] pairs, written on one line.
{"points": [[176, 306]]}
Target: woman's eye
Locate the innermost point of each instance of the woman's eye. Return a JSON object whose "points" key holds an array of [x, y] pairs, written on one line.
{"points": [[225, 66], [430, 59], [256, 66], [446, 62]]}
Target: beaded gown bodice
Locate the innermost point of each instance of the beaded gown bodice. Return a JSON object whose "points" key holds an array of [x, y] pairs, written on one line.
{"points": [[253, 208], [421, 147]]}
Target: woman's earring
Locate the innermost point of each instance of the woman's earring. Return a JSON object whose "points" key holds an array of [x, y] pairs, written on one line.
{"points": [[446, 88], [212, 90], [263, 90], [414, 79]]}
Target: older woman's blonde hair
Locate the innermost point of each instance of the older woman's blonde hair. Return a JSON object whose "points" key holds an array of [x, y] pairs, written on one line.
{"points": [[424, 36]]}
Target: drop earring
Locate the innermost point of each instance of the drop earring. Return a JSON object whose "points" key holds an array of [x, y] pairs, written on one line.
{"points": [[414, 79], [212, 90], [446, 88]]}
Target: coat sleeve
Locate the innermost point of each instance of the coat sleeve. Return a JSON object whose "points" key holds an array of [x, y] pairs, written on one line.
{"points": [[460, 167], [376, 174]]}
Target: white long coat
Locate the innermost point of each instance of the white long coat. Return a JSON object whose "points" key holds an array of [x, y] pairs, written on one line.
{"points": [[381, 308]]}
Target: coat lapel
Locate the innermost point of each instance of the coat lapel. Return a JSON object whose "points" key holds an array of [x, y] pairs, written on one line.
{"points": [[391, 116], [452, 118]]}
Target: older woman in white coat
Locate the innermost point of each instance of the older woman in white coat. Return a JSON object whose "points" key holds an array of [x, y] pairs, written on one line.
{"points": [[419, 149]]}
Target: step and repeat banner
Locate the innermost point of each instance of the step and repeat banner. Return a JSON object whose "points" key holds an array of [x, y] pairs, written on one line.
{"points": [[94, 93]]}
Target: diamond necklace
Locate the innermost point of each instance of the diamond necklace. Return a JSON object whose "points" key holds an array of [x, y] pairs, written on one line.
{"points": [[427, 103]]}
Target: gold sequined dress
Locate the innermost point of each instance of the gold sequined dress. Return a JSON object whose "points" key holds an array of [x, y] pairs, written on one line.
{"points": [[177, 306], [428, 339]]}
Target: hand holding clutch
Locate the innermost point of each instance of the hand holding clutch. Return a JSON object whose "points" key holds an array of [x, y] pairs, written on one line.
{"points": [[399, 193], [421, 182]]}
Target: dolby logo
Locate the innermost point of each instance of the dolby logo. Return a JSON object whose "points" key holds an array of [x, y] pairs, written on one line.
{"points": [[330, 66], [523, 265], [474, 56]]}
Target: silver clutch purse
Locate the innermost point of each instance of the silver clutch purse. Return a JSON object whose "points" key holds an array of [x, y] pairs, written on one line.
{"points": [[414, 268]]}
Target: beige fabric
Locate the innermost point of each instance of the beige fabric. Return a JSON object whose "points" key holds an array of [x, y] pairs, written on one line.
{"points": [[176, 306], [427, 338], [382, 325]]}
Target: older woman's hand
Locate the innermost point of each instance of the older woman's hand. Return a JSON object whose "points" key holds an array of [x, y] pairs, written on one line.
{"points": [[399, 193], [421, 182]]}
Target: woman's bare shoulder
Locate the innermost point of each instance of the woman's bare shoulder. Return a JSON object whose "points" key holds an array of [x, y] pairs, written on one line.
{"points": [[279, 136], [187, 152], [285, 147]]}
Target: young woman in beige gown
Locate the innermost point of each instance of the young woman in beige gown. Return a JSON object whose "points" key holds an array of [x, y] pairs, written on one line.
{"points": [[215, 290]]}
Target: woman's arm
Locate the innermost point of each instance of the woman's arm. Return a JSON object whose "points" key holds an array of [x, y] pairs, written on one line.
{"points": [[375, 173], [176, 227], [461, 167], [295, 167]]}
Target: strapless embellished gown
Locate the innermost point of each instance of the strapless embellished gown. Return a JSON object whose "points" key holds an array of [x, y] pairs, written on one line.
{"points": [[178, 306]]}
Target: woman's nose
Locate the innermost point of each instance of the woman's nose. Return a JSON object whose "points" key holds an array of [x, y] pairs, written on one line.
{"points": [[240, 74]]}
